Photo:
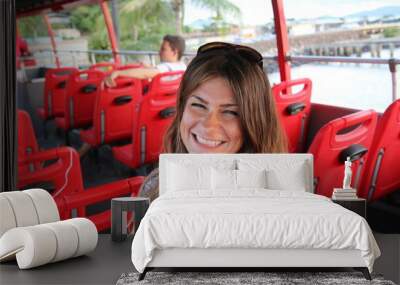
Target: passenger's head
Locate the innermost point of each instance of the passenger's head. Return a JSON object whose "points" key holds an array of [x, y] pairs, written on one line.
{"points": [[172, 48], [225, 105]]}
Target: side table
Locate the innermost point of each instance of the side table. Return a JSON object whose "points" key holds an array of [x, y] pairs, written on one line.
{"points": [[358, 206], [119, 209]]}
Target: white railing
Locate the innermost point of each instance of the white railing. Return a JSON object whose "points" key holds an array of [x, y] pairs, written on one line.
{"points": [[391, 63], [153, 55]]}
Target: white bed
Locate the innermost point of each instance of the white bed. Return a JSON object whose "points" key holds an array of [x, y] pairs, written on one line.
{"points": [[227, 217]]}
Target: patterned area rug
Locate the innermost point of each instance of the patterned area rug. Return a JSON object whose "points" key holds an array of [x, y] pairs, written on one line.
{"points": [[273, 278]]}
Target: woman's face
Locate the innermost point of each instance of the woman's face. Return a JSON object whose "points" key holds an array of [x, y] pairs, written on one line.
{"points": [[210, 122]]}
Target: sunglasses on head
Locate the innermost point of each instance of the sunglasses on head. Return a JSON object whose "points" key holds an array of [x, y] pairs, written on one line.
{"points": [[251, 55]]}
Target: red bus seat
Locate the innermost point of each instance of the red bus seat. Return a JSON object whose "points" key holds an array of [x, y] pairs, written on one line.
{"points": [[157, 109], [126, 187], [105, 67], [115, 110], [82, 89], [382, 170], [145, 82], [66, 176], [54, 92], [28, 62], [166, 83], [148, 132], [331, 146], [294, 110], [27, 144], [64, 173]]}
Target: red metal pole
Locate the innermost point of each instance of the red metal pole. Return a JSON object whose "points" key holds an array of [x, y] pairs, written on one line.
{"points": [[110, 29], [53, 42], [17, 45], [282, 41]]}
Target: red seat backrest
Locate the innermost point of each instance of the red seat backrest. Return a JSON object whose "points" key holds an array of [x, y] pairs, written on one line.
{"points": [[65, 171], [294, 110], [54, 90], [29, 62], [27, 144], [115, 110], [82, 89], [330, 141], [155, 116], [106, 67], [163, 84], [382, 170], [157, 111], [145, 82]]}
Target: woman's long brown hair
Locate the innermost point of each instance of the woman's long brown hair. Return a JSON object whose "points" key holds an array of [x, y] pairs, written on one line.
{"points": [[250, 86]]}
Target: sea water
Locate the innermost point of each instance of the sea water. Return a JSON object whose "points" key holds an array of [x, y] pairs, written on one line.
{"points": [[358, 86]]}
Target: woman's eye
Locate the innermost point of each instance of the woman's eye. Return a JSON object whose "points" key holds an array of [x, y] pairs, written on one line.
{"points": [[197, 105], [232, 113]]}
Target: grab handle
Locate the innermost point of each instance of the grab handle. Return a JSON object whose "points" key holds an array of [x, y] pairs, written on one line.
{"points": [[122, 100], [168, 112], [364, 123], [295, 108], [62, 84], [354, 152], [278, 89], [90, 88]]}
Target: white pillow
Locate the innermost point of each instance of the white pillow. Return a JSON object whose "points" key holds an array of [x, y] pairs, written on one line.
{"points": [[293, 179], [235, 179], [223, 179], [182, 177], [251, 178]]}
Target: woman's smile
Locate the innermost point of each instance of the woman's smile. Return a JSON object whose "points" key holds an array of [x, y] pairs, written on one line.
{"points": [[207, 142]]}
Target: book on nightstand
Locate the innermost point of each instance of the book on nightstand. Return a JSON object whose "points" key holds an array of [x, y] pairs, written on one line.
{"points": [[344, 194]]}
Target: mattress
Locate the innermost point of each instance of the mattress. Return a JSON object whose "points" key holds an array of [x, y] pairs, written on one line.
{"points": [[250, 219]]}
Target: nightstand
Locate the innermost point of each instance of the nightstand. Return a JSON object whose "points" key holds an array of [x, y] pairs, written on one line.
{"points": [[358, 206], [119, 208]]}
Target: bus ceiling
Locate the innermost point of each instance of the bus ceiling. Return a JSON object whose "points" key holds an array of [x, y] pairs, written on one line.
{"points": [[25, 8]]}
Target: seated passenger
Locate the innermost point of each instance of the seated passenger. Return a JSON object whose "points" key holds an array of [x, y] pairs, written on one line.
{"points": [[224, 105], [171, 52]]}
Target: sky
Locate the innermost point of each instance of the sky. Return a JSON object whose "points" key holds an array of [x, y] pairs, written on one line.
{"points": [[258, 12]]}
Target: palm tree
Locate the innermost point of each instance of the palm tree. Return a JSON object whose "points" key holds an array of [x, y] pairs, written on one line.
{"points": [[178, 8], [220, 7], [217, 6], [145, 19], [142, 24]]}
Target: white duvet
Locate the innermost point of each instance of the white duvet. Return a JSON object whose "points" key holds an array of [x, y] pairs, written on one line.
{"points": [[253, 218]]}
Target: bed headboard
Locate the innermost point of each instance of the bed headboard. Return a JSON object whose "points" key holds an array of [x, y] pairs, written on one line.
{"points": [[282, 163]]}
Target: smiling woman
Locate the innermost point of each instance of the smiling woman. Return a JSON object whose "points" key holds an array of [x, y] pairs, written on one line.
{"points": [[224, 105]]}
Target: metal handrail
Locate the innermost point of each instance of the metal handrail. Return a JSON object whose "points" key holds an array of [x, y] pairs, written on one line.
{"points": [[304, 59], [92, 53], [392, 62], [341, 59]]}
